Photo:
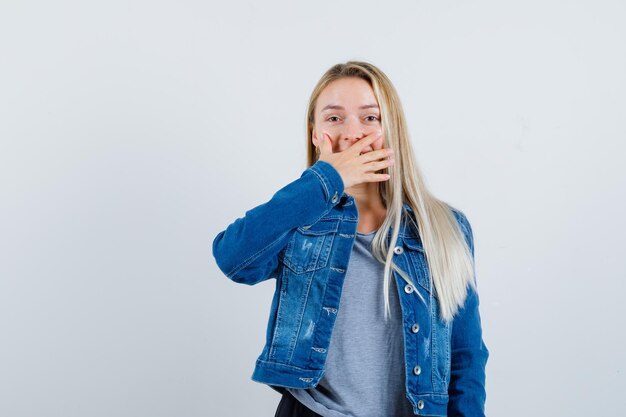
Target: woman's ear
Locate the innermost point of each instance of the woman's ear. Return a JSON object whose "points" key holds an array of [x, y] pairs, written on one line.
{"points": [[315, 139]]}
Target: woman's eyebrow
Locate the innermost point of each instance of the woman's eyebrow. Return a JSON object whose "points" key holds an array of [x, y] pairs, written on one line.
{"points": [[335, 107]]}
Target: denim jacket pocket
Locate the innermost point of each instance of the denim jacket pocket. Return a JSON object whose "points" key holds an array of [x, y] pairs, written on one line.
{"points": [[309, 248], [417, 258]]}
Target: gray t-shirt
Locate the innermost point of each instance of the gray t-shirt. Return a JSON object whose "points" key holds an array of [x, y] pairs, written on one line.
{"points": [[365, 374]]}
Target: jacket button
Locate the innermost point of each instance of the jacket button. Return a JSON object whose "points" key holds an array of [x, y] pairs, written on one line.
{"points": [[408, 289], [335, 197], [420, 404], [417, 370], [415, 328], [398, 250]]}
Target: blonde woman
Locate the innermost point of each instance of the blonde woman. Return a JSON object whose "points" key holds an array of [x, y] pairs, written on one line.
{"points": [[375, 311]]}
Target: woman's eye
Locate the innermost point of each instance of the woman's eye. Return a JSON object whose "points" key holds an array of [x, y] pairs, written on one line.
{"points": [[369, 118]]}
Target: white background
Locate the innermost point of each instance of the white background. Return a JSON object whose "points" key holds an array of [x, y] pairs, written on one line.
{"points": [[132, 132]]}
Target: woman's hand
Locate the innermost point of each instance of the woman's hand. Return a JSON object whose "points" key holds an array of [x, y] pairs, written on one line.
{"points": [[353, 167]]}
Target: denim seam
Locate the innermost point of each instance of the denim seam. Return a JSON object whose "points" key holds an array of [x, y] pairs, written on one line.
{"points": [[323, 181], [433, 342], [304, 299], [448, 363], [432, 394], [288, 366], [279, 307]]}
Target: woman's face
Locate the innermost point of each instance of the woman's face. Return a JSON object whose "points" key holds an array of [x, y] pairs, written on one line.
{"points": [[346, 111]]}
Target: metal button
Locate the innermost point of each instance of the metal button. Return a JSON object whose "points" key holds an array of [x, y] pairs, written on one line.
{"points": [[420, 404], [415, 328], [398, 250], [417, 370], [335, 197], [408, 288]]}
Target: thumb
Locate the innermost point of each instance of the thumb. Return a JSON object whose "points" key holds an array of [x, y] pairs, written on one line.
{"points": [[326, 146]]}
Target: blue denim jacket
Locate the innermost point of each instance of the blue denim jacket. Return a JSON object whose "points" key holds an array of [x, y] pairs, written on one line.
{"points": [[303, 238]]}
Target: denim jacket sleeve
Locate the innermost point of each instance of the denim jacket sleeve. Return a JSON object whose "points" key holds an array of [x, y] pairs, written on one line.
{"points": [[247, 250], [469, 353]]}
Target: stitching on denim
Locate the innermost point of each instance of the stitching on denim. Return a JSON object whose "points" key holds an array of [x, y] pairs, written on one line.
{"points": [[294, 340], [254, 256], [431, 394], [412, 262], [323, 182], [279, 364], [435, 333], [275, 334], [448, 363], [318, 219], [433, 339]]}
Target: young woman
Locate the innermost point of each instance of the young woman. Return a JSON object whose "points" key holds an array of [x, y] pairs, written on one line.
{"points": [[375, 311]]}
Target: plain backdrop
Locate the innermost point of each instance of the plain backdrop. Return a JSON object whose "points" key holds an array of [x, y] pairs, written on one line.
{"points": [[132, 132]]}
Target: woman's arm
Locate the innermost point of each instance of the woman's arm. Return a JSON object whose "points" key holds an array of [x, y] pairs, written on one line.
{"points": [[247, 251], [469, 354]]}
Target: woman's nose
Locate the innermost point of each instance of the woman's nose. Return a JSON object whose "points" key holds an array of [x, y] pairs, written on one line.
{"points": [[352, 131]]}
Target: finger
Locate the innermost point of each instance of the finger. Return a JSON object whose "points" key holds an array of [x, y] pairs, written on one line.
{"points": [[377, 154], [377, 177], [326, 146], [358, 146], [378, 165]]}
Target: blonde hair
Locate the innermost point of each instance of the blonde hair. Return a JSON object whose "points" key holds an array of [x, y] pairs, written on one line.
{"points": [[449, 258]]}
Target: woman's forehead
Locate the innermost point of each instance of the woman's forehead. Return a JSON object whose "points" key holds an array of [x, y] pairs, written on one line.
{"points": [[347, 93]]}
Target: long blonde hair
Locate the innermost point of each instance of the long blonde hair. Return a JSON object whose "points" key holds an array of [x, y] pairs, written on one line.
{"points": [[449, 258]]}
